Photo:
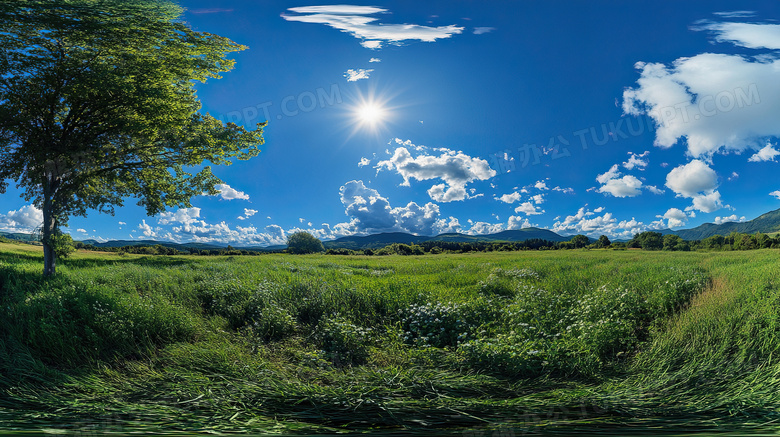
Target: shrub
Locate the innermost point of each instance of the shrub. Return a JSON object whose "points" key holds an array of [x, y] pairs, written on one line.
{"points": [[343, 342]]}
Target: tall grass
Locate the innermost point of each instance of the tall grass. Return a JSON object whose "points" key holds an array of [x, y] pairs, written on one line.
{"points": [[316, 342]]}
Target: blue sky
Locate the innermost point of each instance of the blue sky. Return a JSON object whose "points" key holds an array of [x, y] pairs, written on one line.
{"points": [[442, 116]]}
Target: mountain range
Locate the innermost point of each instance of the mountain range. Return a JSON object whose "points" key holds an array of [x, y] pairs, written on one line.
{"points": [[767, 223]]}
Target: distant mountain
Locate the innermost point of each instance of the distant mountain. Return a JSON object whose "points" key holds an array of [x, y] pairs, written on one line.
{"points": [[17, 236], [375, 241], [766, 223], [177, 246], [378, 241]]}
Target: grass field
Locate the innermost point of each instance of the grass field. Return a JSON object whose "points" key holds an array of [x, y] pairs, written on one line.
{"points": [[473, 343]]}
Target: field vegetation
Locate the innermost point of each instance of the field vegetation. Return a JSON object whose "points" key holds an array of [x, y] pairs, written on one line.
{"points": [[477, 341]]}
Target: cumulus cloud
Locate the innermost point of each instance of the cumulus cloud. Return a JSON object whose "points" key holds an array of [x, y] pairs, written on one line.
{"points": [[731, 218], [356, 75], [358, 22], [182, 215], [697, 181], [775, 194], [588, 223], [509, 198], [226, 192], [516, 222], [715, 102], [528, 208], [371, 212], [675, 217], [541, 185], [768, 153], [374, 60], [484, 228], [655, 190], [612, 183], [636, 161], [24, 219], [627, 186], [456, 169], [247, 213]]}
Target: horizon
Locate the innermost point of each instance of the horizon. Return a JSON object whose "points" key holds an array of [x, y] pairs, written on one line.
{"points": [[452, 117]]}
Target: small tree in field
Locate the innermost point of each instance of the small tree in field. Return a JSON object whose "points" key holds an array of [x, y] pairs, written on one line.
{"points": [[98, 103], [579, 241], [302, 242]]}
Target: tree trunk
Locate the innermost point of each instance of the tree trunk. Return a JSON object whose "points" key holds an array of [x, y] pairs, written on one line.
{"points": [[49, 229]]}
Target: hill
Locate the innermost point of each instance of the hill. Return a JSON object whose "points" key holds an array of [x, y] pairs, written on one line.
{"points": [[766, 223], [377, 241]]}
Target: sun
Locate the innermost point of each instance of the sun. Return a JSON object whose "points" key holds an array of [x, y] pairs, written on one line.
{"points": [[370, 113]]}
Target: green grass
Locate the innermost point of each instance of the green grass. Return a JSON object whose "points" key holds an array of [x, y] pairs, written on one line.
{"points": [[307, 344]]}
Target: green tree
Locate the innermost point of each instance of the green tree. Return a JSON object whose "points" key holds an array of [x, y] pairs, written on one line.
{"points": [[671, 241], [603, 242], [98, 104], [579, 241], [303, 242]]}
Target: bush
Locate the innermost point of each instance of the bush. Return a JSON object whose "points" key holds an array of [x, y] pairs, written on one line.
{"points": [[343, 342]]}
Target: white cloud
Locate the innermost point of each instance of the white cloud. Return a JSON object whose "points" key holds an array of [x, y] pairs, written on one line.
{"points": [[484, 228], [182, 215], [248, 213], [675, 217], [768, 153], [707, 203], [24, 219], [715, 102], [691, 179], [627, 186], [370, 212], [775, 194], [83, 231], [481, 30], [338, 9], [226, 192], [122, 223], [655, 190], [541, 185], [509, 198], [364, 162], [356, 75], [636, 161], [528, 208], [516, 222], [731, 218], [355, 20], [147, 229], [612, 173], [612, 183], [752, 36], [374, 60], [538, 199], [696, 181], [588, 223], [456, 169]]}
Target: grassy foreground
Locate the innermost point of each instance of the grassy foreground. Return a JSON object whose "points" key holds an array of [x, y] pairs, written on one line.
{"points": [[475, 343]]}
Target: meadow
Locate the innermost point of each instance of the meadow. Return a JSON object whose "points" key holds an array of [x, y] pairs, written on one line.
{"points": [[474, 343]]}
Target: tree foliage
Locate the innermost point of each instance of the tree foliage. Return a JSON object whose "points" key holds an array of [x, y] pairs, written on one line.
{"points": [[302, 242], [98, 104]]}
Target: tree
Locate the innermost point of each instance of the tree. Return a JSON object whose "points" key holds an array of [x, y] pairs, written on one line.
{"points": [[98, 104], [603, 242], [303, 242], [671, 241], [579, 241]]}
